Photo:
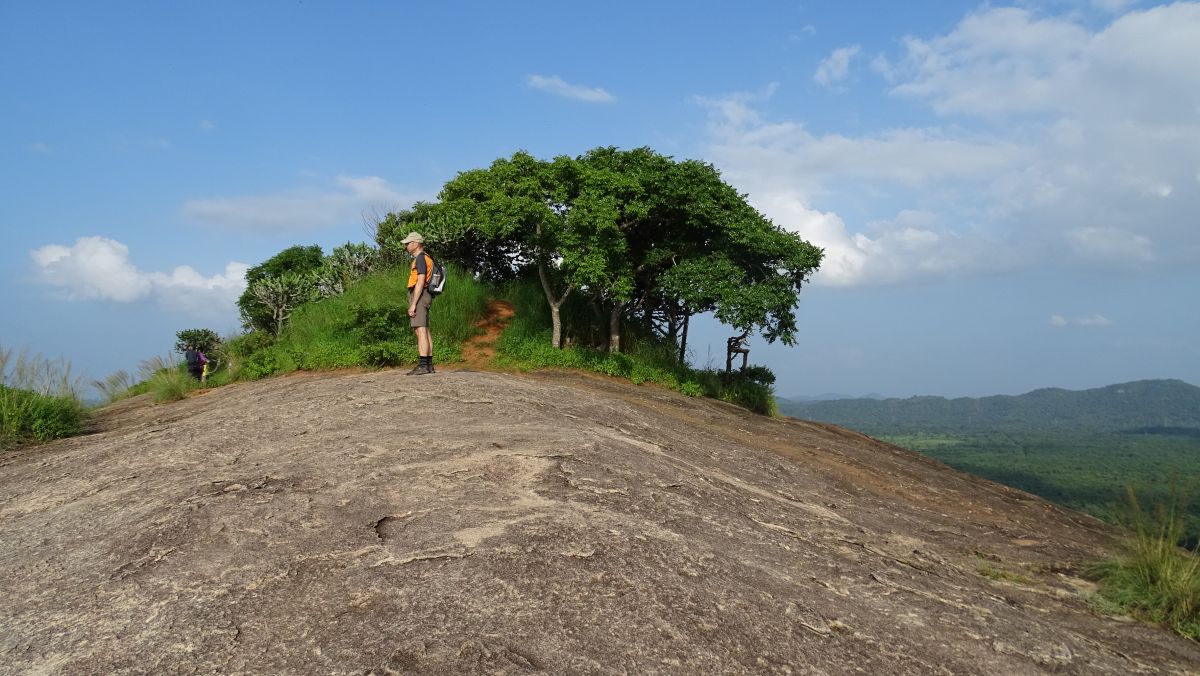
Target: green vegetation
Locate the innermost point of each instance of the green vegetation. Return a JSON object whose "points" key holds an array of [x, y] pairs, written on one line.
{"points": [[367, 325], [994, 572], [1142, 407], [295, 261], [1088, 472], [1079, 449], [644, 358], [1154, 578], [39, 401], [643, 239]]}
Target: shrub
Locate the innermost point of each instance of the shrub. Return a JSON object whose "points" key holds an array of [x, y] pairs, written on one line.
{"points": [[30, 416], [1154, 578], [39, 400], [172, 384]]}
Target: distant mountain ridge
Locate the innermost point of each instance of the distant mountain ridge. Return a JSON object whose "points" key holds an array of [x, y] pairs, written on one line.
{"points": [[1165, 406]]}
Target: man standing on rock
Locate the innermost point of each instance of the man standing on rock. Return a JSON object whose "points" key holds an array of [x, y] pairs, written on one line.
{"points": [[419, 299]]}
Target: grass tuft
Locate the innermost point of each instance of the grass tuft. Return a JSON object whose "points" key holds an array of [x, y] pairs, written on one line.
{"points": [[1154, 578], [39, 400]]}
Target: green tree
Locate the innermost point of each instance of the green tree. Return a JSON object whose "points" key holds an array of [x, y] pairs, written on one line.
{"points": [[694, 244], [281, 295], [639, 234], [206, 340], [296, 259]]}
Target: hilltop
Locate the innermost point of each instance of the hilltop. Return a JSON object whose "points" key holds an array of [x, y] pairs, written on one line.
{"points": [[1135, 406], [488, 523]]}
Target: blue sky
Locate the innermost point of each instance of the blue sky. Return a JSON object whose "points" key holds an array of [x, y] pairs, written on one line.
{"points": [[1007, 193]]}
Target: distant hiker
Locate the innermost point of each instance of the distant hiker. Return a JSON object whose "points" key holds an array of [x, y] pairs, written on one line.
{"points": [[419, 299], [192, 356], [736, 345], [203, 365]]}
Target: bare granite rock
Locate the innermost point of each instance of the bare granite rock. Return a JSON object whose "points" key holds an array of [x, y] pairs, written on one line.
{"points": [[470, 522]]}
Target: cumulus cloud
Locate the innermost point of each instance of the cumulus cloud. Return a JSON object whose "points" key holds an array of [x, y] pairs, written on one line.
{"points": [[98, 268], [1095, 321], [835, 67], [913, 246], [300, 210], [1008, 60], [1050, 143], [556, 85]]}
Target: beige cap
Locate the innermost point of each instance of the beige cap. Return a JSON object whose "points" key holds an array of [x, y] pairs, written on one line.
{"points": [[413, 237]]}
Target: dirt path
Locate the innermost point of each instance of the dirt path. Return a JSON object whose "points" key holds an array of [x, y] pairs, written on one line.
{"points": [[480, 350]]}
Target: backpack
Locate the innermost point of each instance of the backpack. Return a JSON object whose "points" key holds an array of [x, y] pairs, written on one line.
{"points": [[192, 357], [436, 282]]}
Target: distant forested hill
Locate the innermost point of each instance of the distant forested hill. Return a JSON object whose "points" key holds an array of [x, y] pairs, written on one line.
{"points": [[1154, 406], [1081, 449]]}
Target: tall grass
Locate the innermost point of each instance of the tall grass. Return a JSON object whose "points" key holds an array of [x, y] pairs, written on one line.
{"points": [[1154, 578], [39, 399], [114, 387], [166, 378]]}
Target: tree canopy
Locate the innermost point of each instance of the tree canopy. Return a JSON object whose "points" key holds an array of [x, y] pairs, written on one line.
{"points": [[640, 235], [296, 260]]}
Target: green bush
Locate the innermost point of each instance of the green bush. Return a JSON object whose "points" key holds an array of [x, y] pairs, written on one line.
{"points": [[172, 384], [1154, 578], [39, 400], [367, 325], [29, 416]]}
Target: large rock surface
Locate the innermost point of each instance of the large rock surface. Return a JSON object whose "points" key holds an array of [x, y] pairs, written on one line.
{"points": [[486, 523]]}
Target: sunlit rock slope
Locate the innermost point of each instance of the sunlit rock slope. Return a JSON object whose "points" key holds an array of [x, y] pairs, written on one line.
{"points": [[485, 523]]}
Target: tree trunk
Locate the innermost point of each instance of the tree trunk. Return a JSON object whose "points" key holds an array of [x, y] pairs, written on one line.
{"points": [[555, 305], [614, 328], [556, 321], [683, 340]]}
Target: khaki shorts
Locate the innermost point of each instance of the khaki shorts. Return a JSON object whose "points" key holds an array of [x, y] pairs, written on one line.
{"points": [[422, 316]]}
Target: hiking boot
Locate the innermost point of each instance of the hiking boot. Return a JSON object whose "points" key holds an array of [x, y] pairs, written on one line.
{"points": [[420, 370]]}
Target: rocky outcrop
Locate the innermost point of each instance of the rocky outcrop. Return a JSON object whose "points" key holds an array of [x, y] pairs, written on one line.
{"points": [[486, 523]]}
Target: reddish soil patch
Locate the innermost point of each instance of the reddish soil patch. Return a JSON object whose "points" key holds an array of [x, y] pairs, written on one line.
{"points": [[480, 350]]}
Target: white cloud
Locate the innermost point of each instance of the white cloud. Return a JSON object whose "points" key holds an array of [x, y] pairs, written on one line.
{"points": [[556, 85], [97, 268], [1007, 60], [1093, 322], [306, 209], [835, 67], [799, 35], [911, 247], [1111, 245], [1074, 149], [208, 125], [39, 148]]}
